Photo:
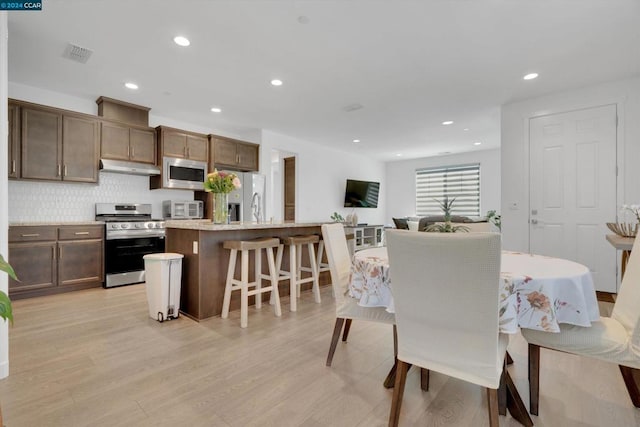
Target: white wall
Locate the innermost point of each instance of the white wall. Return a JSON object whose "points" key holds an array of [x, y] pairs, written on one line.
{"points": [[515, 148], [321, 175], [401, 180], [4, 213]]}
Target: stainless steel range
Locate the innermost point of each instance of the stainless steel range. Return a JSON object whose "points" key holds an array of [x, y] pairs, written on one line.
{"points": [[131, 234]]}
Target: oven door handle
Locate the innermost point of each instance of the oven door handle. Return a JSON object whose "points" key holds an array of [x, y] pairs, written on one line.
{"points": [[134, 236]]}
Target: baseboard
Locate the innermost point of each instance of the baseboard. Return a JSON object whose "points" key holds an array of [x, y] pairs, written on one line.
{"points": [[4, 369]]}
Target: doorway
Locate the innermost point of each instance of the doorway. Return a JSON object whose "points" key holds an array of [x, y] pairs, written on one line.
{"points": [[573, 188], [289, 189]]}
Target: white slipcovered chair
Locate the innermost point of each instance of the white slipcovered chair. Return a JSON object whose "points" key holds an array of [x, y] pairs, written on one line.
{"points": [[614, 339], [347, 308], [445, 290]]}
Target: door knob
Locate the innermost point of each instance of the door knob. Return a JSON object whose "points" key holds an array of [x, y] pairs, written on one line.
{"points": [[534, 221]]}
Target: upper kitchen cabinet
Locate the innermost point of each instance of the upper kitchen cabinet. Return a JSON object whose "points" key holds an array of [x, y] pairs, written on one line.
{"points": [[41, 144], [234, 154], [14, 141], [52, 144], [123, 142], [183, 144], [80, 148]]}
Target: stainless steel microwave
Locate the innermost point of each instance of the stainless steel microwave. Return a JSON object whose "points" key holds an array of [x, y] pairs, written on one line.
{"points": [[183, 173], [178, 209]]}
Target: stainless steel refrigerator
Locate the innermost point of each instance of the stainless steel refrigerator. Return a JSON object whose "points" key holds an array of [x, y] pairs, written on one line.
{"points": [[249, 201]]}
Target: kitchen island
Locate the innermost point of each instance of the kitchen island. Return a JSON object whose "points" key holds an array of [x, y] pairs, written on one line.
{"points": [[204, 267]]}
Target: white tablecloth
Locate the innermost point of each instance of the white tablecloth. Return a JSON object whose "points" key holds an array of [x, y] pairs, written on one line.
{"points": [[536, 292]]}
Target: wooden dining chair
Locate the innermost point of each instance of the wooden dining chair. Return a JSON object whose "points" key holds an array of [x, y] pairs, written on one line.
{"points": [[614, 339], [445, 290], [347, 308]]}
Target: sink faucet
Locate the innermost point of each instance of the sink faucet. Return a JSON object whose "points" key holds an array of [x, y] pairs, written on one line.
{"points": [[255, 206]]}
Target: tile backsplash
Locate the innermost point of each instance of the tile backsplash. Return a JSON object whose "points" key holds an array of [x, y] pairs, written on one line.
{"points": [[40, 201]]}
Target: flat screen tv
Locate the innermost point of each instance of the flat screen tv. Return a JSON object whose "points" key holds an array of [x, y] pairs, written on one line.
{"points": [[361, 194]]}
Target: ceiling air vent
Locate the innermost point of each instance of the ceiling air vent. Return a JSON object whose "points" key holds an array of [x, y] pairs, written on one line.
{"points": [[352, 107], [77, 53]]}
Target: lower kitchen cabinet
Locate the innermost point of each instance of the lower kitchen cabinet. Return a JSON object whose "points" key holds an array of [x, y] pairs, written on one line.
{"points": [[80, 262], [55, 259], [35, 264]]}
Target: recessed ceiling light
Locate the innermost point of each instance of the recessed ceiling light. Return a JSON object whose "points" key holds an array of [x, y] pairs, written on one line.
{"points": [[399, 155], [131, 85], [216, 110], [356, 140], [448, 122], [181, 41], [445, 152], [477, 143], [530, 76], [276, 82], [465, 129]]}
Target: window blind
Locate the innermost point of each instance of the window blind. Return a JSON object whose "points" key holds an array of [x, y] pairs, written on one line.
{"points": [[461, 182]]}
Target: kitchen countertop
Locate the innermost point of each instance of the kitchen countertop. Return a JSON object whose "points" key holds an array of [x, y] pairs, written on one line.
{"points": [[54, 223], [207, 225]]}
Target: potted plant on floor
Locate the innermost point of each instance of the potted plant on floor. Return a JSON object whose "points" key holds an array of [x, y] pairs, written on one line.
{"points": [[5, 302]]}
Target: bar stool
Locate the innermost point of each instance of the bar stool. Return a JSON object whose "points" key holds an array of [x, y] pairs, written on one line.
{"points": [[295, 266], [243, 284], [322, 266]]}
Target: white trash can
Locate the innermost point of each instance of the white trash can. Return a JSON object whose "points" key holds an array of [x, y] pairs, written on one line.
{"points": [[163, 274]]}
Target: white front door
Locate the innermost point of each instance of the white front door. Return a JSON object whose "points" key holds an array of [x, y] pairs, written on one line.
{"points": [[573, 189]]}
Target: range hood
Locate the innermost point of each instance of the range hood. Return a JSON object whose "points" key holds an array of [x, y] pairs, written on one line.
{"points": [[131, 168]]}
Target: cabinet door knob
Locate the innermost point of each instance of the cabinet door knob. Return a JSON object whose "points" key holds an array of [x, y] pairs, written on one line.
{"points": [[81, 233], [13, 166], [65, 170], [133, 152], [31, 235], [58, 173]]}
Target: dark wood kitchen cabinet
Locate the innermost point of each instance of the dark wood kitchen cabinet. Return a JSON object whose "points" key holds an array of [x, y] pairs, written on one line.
{"points": [[41, 142], [233, 154], [80, 148], [14, 141], [123, 142], [80, 261], [54, 259], [52, 144], [183, 144]]}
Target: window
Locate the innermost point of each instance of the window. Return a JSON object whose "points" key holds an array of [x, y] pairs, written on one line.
{"points": [[461, 182]]}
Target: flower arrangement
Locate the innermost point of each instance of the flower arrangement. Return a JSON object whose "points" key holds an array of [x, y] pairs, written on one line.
{"points": [[221, 182], [634, 209]]}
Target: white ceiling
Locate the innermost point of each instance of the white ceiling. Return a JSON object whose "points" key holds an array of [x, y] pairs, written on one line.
{"points": [[411, 64]]}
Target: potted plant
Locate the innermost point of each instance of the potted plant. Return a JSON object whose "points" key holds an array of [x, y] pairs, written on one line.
{"points": [[5, 302], [448, 226]]}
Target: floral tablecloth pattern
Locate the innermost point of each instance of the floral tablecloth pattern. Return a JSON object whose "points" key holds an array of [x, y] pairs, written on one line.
{"points": [[536, 292]]}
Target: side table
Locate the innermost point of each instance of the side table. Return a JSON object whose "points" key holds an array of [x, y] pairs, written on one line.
{"points": [[624, 244]]}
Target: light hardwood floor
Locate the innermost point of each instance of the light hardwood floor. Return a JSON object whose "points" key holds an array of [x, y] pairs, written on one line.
{"points": [[94, 358]]}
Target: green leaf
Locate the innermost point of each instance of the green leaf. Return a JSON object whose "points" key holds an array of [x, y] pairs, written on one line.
{"points": [[5, 307], [6, 267]]}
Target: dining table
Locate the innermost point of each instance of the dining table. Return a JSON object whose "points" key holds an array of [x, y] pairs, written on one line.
{"points": [[536, 292]]}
